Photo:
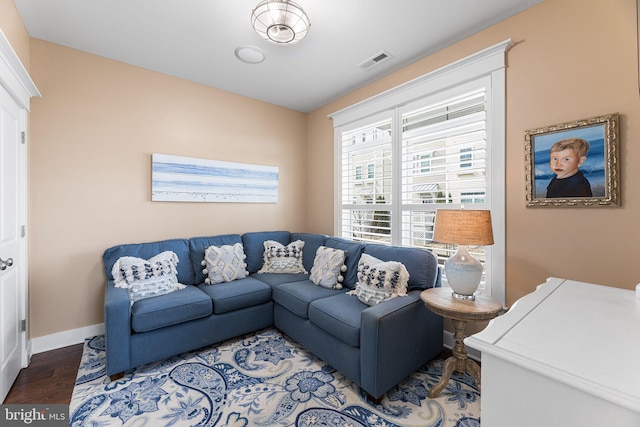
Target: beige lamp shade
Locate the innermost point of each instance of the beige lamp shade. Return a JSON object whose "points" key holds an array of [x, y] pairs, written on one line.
{"points": [[463, 227]]}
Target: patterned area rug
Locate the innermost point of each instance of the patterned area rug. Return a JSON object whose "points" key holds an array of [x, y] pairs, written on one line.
{"points": [[262, 379]]}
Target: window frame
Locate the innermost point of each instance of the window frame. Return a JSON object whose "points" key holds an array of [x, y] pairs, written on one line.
{"points": [[489, 64]]}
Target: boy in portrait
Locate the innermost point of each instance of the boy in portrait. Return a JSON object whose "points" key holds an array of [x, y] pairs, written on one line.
{"points": [[565, 158]]}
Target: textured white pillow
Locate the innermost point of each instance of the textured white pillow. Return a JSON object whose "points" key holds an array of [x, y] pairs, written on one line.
{"points": [[379, 280], [283, 259], [327, 266], [152, 287], [224, 263], [127, 270]]}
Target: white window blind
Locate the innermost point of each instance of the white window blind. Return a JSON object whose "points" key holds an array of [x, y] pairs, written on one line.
{"points": [[366, 197], [452, 134], [434, 142], [390, 195]]}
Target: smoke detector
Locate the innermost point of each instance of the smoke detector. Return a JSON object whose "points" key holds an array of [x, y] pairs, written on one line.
{"points": [[375, 60], [250, 54]]}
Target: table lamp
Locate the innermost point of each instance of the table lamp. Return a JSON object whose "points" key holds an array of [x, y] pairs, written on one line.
{"points": [[463, 228]]}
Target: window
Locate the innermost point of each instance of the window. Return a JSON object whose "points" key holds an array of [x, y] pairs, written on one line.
{"points": [[472, 197], [423, 163], [358, 172], [371, 171], [368, 218], [453, 127], [466, 157], [425, 146]]}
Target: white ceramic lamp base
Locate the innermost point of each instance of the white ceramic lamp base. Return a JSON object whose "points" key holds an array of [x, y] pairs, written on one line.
{"points": [[463, 273]]}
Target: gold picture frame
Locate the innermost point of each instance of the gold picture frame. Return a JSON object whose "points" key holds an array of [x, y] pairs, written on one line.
{"points": [[577, 174]]}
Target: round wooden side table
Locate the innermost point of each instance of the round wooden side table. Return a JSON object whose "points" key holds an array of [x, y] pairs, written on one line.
{"points": [[442, 302]]}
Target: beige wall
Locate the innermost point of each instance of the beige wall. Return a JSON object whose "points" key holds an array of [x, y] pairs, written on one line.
{"points": [[14, 30], [92, 135], [98, 122], [574, 59]]}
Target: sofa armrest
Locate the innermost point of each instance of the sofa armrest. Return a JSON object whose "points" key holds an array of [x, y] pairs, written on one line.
{"points": [[396, 338], [117, 325]]}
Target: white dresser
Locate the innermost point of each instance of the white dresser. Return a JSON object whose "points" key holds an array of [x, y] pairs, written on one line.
{"points": [[565, 355]]}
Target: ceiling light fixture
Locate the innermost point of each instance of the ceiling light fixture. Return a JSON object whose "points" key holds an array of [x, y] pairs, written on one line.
{"points": [[280, 22]]}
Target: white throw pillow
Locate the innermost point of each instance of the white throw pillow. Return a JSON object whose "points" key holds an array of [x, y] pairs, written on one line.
{"points": [[152, 287], [379, 280], [145, 278], [283, 259], [127, 270], [224, 263], [327, 266]]}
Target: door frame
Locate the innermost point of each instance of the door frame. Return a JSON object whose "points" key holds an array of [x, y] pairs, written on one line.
{"points": [[15, 79]]}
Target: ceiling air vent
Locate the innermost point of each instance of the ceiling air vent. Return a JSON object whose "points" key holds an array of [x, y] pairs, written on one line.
{"points": [[375, 60]]}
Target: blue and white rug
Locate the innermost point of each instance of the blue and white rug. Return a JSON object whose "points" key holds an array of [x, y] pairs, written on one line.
{"points": [[262, 379]]}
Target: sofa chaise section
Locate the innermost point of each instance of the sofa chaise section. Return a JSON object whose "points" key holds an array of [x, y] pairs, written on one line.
{"points": [[378, 346]]}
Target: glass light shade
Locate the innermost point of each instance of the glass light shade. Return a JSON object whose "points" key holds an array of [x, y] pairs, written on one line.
{"points": [[463, 227], [280, 21]]}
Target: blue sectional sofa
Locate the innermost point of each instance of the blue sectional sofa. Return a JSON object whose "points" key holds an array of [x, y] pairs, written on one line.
{"points": [[375, 346]]}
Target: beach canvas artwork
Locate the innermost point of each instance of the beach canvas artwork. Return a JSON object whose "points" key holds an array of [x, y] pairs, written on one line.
{"points": [[187, 179]]}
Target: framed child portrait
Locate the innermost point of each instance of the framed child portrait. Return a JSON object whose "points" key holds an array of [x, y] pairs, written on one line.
{"points": [[573, 164]]}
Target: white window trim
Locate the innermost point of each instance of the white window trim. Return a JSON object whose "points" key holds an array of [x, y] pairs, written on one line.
{"points": [[489, 63]]}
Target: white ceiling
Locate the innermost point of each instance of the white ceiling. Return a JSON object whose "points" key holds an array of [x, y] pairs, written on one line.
{"points": [[196, 39]]}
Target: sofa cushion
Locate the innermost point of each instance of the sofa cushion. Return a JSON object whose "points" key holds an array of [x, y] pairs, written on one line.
{"points": [[254, 246], [311, 244], [353, 250], [339, 315], [197, 246], [279, 258], [165, 310], [224, 263], [328, 267], [238, 294], [296, 296], [147, 250], [421, 264], [276, 279]]}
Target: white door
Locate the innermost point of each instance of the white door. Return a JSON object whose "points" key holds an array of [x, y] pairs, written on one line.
{"points": [[12, 260]]}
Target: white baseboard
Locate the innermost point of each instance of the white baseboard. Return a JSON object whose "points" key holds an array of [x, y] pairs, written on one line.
{"points": [[449, 342], [65, 338]]}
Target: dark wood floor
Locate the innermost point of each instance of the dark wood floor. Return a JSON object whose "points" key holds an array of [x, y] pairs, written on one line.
{"points": [[48, 379]]}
